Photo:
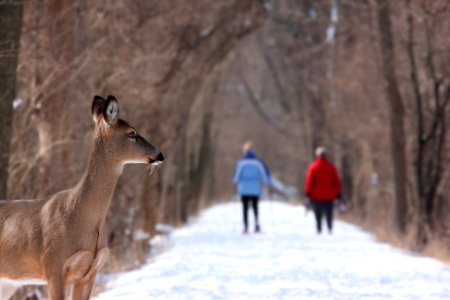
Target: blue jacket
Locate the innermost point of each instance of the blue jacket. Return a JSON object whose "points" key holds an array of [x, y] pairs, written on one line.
{"points": [[249, 173]]}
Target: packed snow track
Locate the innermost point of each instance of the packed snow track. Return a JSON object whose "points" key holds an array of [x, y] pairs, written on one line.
{"points": [[212, 259]]}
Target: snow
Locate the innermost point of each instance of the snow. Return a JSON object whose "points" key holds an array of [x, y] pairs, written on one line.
{"points": [[331, 33], [334, 17], [334, 13], [211, 259], [18, 102]]}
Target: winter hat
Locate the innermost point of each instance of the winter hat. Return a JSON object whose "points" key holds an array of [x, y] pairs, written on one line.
{"points": [[321, 151]]}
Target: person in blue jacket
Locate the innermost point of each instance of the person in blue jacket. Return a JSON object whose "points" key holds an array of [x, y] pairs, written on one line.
{"points": [[250, 173]]}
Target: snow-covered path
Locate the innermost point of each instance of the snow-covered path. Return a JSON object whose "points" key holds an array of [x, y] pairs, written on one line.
{"points": [[211, 259]]}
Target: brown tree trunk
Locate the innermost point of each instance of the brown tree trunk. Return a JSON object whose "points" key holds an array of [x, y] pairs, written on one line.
{"points": [[397, 114], [431, 106], [10, 28]]}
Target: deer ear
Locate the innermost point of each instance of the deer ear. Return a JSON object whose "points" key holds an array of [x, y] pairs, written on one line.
{"points": [[97, 108], [111, 110]]}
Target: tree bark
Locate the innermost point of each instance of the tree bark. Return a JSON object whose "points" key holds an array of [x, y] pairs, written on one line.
{"points": [[397, 114], [10, 29], [431, 106]]}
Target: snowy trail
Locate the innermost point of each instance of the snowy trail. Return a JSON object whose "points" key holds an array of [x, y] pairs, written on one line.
{"points": [[211, 259]]}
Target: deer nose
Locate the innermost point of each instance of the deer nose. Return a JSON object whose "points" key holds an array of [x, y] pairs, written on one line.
{"points": [[160, 157]]}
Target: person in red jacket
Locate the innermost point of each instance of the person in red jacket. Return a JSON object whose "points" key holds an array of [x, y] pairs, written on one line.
{"points": [[322, 187]]}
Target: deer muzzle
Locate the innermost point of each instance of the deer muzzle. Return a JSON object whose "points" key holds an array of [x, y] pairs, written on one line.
{"points": [[155, 157]]}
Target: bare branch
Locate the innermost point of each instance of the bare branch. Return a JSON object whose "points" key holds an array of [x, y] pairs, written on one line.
{"points": [[262, 113], [276, 77]]}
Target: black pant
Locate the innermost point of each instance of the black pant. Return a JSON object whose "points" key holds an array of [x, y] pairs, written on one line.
{"points": [[246, 201], [321, 208]]}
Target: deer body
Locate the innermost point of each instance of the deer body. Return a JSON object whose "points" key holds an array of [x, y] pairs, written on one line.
{"points": [[62, 239]]}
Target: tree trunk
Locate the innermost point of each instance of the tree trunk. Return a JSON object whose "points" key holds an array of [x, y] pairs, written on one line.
{"points": [[10, 28], [431, 106], [397, 114]]}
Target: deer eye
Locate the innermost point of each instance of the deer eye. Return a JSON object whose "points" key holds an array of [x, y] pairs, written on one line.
{"points": [[132, 135]]}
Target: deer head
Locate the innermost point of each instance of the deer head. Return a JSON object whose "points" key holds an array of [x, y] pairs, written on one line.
{"points": [[119, 140]]}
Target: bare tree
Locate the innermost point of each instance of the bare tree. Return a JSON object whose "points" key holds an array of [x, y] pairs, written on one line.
{"points": [[431, 103], [10, 28], [397, 113]]}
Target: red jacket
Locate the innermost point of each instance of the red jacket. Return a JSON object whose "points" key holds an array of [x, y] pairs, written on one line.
{"points": [[322, 181]]}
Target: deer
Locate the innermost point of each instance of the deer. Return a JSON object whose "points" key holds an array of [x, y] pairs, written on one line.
{"points": [[61, 240]]}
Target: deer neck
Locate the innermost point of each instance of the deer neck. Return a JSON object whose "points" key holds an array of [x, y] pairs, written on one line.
{"points": [[96, 187]]}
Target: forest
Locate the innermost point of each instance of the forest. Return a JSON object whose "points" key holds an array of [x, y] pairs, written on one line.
{"points": [[367, 79]]}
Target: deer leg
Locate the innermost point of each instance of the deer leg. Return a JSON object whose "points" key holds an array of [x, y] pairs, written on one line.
{"points": [[56, 288], [82, 289], [77, 266], [100, 259]]}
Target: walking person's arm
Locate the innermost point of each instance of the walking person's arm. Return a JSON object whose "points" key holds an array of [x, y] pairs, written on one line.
{"points": [[237, 172], [340, 200], [265, 175], [309, 184]]}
